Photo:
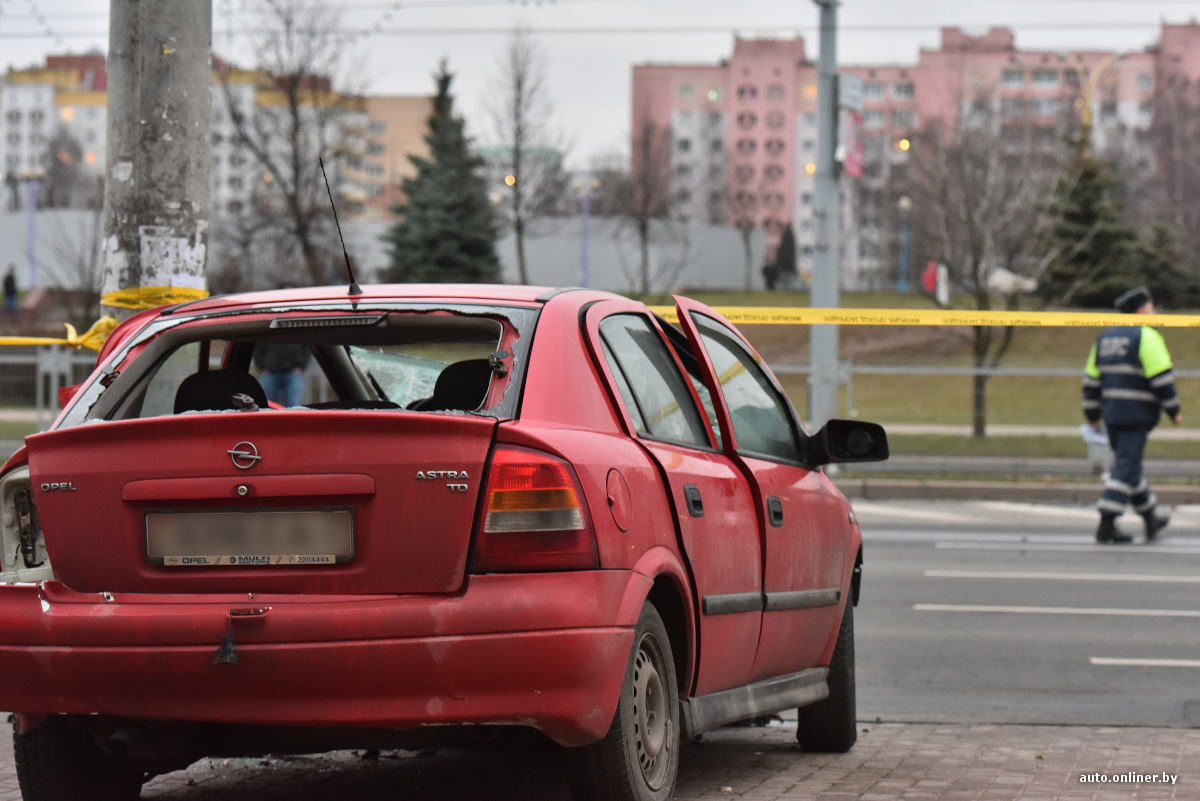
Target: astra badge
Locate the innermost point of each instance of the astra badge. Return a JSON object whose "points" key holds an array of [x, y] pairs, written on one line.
{"points": [[431, 475], [244, 455]]}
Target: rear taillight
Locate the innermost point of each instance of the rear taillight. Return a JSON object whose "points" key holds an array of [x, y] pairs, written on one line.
{"points": [[534, 516]]}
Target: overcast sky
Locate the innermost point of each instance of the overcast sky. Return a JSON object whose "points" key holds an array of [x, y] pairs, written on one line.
{"points": [[590, 72]]}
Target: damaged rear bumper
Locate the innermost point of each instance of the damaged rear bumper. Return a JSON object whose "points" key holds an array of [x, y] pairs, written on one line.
{"points": [[546, 651]]}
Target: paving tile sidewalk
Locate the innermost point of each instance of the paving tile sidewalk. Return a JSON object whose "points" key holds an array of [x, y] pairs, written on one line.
{"points": [[892, 762]]}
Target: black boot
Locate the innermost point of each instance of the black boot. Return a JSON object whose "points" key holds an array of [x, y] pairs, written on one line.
{"points": [[1109, 534], [1154, 524]]}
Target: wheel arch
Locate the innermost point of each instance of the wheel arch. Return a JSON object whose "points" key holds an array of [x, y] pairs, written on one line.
{"points": [[670, 592]]}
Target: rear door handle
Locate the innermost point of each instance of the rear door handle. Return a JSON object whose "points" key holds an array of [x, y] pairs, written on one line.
{"points": [[775, 512], [695, 502]]}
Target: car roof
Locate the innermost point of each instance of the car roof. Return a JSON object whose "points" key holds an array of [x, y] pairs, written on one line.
{"points": [[469, 292]]}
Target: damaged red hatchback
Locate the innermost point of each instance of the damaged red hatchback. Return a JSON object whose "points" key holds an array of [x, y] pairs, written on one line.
{"points": [[493, 507]]}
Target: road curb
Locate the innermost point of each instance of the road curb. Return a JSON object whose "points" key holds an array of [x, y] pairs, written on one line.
{"points": [[1075, 493]]}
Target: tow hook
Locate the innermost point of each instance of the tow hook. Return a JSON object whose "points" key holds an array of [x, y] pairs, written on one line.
{"points": [[227, 651]]}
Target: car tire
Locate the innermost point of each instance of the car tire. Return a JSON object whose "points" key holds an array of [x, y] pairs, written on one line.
{"points": [[57, 761], [638, 760], [830, 726]]}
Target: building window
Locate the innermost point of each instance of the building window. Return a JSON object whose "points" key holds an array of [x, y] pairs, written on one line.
{"points": [[747, 92], [806, 198], [89, 136], [717, 145], [773, 200], [746, 147], [744, 173], [1147, 107], [903, 91], [684, 145], [872, 89], [807, 144], [377, 127], [237, 160], [773, 172], [1012, 78], [91, 113], [810, 119], [1012, 106], [376, 170], [744, 199], [13, 138], [903, 119], [715, 118], [776, 92], [13, 116], [776, 120], [35, 117], [774, 147], [375, 148], [747, 120], [683, 171], [873, 118], [1145, 82], [683, 196], [1045, 78], [685, 91], [1046, 106], [1108, 108], [714, 172], [217, 138], [234, 206], [235, 182]]}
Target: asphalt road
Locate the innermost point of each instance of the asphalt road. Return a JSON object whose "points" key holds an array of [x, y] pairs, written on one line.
{"points": [[1009, 613]]}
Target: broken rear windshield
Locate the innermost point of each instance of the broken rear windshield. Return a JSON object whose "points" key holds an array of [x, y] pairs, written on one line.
{"points": [[465, 359]]}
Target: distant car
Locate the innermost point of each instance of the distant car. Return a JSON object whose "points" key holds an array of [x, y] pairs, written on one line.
{"points": [[497, 507]]}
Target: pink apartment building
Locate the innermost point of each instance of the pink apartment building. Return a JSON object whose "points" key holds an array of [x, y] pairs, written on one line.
{"points": [[744, 131]]}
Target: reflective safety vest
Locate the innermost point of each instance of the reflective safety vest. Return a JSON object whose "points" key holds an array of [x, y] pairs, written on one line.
{"points": [[1129, 378]]}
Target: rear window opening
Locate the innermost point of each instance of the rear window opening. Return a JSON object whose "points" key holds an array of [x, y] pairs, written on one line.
{"points": [[425, 361]]}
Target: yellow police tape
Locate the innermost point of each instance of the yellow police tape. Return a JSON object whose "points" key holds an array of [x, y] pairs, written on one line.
{"points": [[147, 297], [751, 315], [92, 338]]}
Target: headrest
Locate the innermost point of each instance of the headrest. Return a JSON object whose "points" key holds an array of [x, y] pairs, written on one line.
{"points": [[214, 390], [461, 385]]}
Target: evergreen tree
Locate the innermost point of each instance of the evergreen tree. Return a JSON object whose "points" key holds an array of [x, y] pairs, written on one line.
{"points": [[1163, 270], [785, 254], [1096, 252], [447, 227]]}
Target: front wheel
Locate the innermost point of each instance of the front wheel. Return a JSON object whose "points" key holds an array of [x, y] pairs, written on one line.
{"points": [[638, 759], [58, 761], [830, 725]]}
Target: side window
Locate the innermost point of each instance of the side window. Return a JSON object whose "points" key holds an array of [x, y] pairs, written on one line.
{"points": [[664, 405], [626, 393], [760, 417]]}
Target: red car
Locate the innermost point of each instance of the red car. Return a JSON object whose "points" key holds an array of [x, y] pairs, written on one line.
{"points": [[495, 507]]}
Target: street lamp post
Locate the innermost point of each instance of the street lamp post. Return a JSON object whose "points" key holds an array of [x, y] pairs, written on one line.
{"points": [[904, 205]]}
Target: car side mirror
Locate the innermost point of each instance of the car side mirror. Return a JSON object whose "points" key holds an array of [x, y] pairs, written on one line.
{"points": [[847, 441]]}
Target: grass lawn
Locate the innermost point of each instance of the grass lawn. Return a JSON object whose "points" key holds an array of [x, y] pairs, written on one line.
{"points": [[16, 429]]}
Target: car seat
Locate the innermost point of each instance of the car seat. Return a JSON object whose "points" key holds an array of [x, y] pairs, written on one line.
{"points": [[214, 390], [461, 386]]}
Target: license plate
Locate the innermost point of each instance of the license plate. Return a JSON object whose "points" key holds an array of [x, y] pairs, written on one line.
{"points": [[256, 538]]}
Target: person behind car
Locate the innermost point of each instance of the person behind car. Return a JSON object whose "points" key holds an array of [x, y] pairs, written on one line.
{"points": [[10, 293], [1128, 383]]}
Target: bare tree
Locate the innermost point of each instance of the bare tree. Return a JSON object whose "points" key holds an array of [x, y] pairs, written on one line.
{"points": [[74, 262], [296, 118], [530, 151], [647, 195], [979, 205]]}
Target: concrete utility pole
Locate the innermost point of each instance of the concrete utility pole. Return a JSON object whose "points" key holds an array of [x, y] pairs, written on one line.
{"points": [[823, 386], [156, 204]]}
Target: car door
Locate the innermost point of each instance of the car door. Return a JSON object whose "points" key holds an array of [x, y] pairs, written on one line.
{"points": [[800, 516], [710, 495]]}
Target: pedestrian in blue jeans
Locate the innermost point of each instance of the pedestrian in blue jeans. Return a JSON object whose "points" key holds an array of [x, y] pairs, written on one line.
{"points": [[1128, 383], [282, 371]]}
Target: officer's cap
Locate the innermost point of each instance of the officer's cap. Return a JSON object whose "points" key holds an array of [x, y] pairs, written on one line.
{"points": [[1133, 300]]}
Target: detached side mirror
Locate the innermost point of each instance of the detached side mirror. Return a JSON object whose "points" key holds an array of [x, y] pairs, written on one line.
{"points": [[847, 441]]}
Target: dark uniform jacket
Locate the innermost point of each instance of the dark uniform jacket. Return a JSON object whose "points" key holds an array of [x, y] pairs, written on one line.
{"points": [[1129, 381]]}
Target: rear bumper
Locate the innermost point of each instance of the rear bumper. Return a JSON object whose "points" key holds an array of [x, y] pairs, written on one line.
{"points": [[546, 651]]}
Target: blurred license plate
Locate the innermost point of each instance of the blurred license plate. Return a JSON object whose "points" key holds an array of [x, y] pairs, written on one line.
{"points": [[250, 538]]}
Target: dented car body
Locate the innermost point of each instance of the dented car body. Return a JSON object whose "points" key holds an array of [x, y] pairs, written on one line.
{"points": [[496, 507]]}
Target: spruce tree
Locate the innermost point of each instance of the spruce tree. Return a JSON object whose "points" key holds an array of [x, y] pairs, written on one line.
{"points": [[447, 228], [1097, 258], [1162, 268]]}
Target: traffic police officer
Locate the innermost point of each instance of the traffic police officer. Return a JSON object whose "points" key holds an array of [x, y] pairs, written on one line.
{"points": [[1128, 382]]}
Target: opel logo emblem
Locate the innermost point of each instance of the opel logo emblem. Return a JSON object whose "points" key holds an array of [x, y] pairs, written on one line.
{"points": [[244, 455]]}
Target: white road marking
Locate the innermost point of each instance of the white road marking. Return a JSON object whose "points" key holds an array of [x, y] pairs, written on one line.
{"points": [[1012, 507], [1150, 550], [1107, 660], [892, 511], [1057, 610], [1019, 574]]}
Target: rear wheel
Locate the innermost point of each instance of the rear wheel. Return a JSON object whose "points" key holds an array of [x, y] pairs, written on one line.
{"points": [[58, 761], [639, 757], [830, 725]]}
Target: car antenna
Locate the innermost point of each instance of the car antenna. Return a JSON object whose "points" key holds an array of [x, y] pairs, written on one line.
{"points": [[355, 289]]}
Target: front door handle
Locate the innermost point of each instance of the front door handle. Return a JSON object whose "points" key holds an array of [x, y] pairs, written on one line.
{"points": [[775, 512], [695, 503]]}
